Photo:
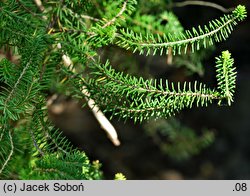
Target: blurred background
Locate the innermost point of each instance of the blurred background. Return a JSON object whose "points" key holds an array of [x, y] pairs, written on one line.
{"points": [[148, 150]]}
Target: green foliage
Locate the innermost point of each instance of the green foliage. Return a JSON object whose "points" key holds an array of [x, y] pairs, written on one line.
{"points": [[73, 166], [240, 12], [157, 24], [193, 62], [22, 101], [178, 141], [216, 31], [36, 38], [226, 76], [140, 99], [120, 176]]}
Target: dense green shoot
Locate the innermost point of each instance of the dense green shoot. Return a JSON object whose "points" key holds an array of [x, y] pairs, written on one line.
{"points": [[141, 99], [57, 48], [182, 42]]}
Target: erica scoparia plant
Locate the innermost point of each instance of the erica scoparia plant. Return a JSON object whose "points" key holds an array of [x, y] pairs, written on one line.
{"points": [[56, 45]]}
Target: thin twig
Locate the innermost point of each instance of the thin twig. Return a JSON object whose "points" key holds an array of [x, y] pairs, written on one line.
{"points": [[35, 143], [189, 40], [210, 95], [28, 10], [1, 136], [55, 143], [117, 16], [15, 86], [10, 154], [201, 3], [89, 17], [47, 134], [110, 22]]}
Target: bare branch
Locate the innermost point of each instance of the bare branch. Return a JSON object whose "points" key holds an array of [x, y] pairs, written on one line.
{"points": [[100, 117], [201, 3], [89, 17], [39, 5]]}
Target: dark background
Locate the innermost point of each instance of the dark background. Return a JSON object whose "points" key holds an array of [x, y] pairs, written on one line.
{"points": [[139, 157]]}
